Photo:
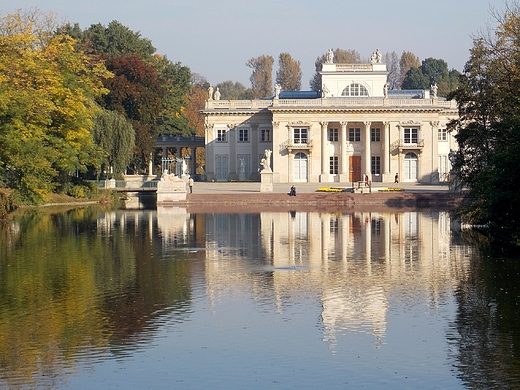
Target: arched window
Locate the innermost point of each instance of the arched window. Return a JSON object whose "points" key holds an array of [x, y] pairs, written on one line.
{"points": [[355, 89]]}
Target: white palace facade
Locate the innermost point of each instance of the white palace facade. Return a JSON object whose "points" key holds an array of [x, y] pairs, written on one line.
{"points": [[353, 127]]}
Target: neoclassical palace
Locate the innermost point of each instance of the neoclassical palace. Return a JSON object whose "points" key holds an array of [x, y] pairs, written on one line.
{"points": [[354, 127]]}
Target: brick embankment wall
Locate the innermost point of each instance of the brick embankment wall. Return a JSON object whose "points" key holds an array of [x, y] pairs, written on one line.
{"points": [[342, 201]]}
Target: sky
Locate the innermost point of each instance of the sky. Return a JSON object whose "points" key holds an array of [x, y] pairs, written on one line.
{"points": [[215, 38]]}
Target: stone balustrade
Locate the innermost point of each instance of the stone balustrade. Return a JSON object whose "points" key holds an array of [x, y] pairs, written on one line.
{"points": [[330, 102]]}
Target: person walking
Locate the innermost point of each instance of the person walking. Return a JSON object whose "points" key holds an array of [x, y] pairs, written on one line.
{"points": [[190, 184], [396, 179]]}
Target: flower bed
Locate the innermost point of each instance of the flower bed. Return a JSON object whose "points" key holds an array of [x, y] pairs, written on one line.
{"points": [[391, 189], [330, 189]]}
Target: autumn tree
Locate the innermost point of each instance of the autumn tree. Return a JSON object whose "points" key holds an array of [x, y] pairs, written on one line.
{"points": [[262, 76], [408, 61], [169, 85], [487, 131], [138, 93], [47, 102], [289, 74], [394, 70], [340, 57]]}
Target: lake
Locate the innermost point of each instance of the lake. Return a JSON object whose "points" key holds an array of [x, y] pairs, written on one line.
{"points": [[134, 299]]}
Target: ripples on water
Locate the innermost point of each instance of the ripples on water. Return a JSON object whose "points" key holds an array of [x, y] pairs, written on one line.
{"points": [[171, 300]]}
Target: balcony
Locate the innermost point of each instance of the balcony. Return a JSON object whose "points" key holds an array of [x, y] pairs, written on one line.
{"points": [[413, 144], [291, 145]]}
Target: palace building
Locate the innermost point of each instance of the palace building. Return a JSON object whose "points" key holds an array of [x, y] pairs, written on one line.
{"points": [[354, 127]]}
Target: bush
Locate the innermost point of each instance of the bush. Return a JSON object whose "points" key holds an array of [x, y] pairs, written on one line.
{"points": [[7, 204]]}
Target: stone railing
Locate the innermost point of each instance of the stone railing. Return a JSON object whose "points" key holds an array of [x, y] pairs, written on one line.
{"points": [[238, 104], [290, 144], [329, 102], [400, 144]]}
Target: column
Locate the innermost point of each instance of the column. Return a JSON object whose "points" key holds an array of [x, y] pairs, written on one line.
{"points": [[343, 158], [324, 177], [367, 153], [434, 176], [210, 152], [386, 153]]}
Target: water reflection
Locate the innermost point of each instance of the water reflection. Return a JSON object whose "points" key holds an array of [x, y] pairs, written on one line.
{"points": [[90, 286]]}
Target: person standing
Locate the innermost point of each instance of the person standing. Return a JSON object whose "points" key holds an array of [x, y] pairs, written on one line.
{"points": [[396, 179], [190, 184]]}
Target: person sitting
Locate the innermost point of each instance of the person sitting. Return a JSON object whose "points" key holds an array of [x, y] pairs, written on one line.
{"points": [[293, 191]]}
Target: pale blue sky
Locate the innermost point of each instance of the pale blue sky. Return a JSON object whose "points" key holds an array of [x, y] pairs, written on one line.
{"points": [[216, 38]]}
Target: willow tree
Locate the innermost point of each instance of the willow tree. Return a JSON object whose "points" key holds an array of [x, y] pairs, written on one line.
{"points": [[488, 131], [115, 135], [47, 102]]}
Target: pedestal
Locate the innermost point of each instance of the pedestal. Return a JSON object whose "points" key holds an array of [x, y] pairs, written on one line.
{"points": [[266, 181], [171, 191]]}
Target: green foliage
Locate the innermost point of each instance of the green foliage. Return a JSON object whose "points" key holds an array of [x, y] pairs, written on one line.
{"points": [[7, 204], [488, 132], [432, 71], [115, 135], [234, 91]]}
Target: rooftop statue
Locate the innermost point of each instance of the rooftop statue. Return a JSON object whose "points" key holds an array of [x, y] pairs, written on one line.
{"points": [[330, 56]]}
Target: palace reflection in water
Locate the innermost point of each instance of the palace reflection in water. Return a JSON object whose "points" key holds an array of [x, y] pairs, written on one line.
{"points": [[87, 286]]}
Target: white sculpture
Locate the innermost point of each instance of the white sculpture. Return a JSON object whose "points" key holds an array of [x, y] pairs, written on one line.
{"points": [[433, 90], [266, 161], [325, 91], [330, 56], [210, 92], [216, 95], [277, 89]]}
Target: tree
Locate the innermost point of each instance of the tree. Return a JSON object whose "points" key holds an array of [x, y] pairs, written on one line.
{"points": [[168, 89], [289, 74], [432, 71], [262, 76], [47, 102], [115, 135], [487, 131], [394, 70], [408, 61], [234, 91], [340, 57], [137, 92]]}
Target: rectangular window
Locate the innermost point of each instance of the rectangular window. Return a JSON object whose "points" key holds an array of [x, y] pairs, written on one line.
{"points": [[411, 135], [300, 136], [443, 134], [221, 135], [243, 135], [354, 134], [375, 135], [265, 135], [333, 169], [376, 165], [333, 135]]}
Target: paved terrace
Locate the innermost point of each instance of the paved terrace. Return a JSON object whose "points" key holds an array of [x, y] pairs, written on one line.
{"points": [[243, 197]]}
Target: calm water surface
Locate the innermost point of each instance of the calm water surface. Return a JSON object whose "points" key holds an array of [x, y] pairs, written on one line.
{"points": [[166, 299]]}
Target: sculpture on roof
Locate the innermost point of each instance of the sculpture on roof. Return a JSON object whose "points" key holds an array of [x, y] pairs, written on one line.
{"points": [[216, 96], [330, 56], [377, 57], [210, 92], [433, 90], [277, 89], [325, 91]]}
